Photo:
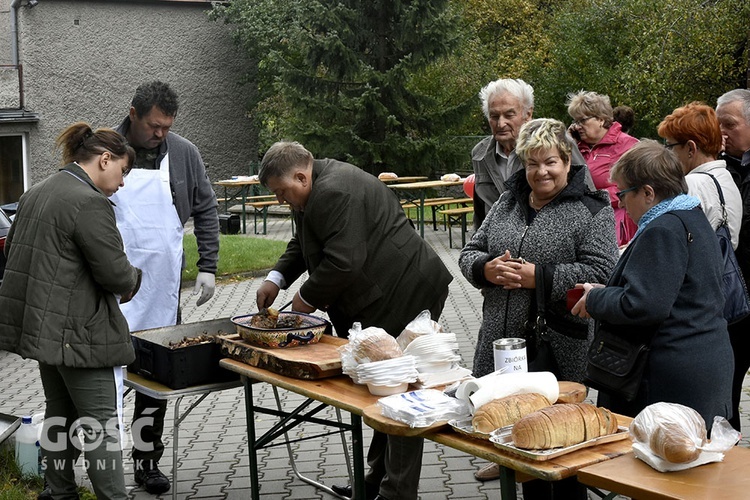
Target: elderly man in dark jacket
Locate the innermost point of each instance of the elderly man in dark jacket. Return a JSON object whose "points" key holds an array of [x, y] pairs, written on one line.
{"points": [[733, 112], [507, 104], [366, 264]]}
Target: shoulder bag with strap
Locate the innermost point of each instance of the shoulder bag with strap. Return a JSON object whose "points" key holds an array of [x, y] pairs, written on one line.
{"points": [[737, 301]]}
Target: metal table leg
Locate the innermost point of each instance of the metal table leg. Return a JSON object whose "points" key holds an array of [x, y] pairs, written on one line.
{"points": [[305, 412], [252, 454], [421, 213], [176, 438], [359, 458], [293, 463], [507, 483]]}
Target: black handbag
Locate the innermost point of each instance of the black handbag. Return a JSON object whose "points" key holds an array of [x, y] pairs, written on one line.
{"points": [[615, 363], [736, 299], [538, 348]]}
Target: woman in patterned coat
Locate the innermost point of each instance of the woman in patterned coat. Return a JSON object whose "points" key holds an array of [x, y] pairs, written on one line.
{"points": [[546, 229], [562, 231]]}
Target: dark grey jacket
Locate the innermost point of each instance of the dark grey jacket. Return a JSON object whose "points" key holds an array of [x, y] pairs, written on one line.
{"points": [[572, 237], [65, 264], [671, 289], [366, 262]]}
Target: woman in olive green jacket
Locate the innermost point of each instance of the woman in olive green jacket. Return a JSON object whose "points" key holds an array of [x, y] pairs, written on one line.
{"points": [[65, 273]]}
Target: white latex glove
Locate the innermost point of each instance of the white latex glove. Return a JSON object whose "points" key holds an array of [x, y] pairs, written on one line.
{"points": [[205, 283]]}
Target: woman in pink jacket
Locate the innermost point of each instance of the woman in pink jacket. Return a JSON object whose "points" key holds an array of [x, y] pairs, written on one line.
{"points": [[601, 142]]}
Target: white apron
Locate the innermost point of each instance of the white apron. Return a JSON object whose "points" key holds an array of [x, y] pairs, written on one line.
{"points": [[152, 234]]}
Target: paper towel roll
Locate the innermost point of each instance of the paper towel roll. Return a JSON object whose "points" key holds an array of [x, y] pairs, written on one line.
{"points": [[472, 385], [480, 391]]}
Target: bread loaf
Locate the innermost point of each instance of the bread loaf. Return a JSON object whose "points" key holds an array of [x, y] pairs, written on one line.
{"points": [[374, 344], [387, 176], [562, 425], [673, 432], [506, 411]]}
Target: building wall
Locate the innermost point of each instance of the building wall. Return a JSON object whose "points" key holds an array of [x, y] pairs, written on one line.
{"points": [[82, 60]]}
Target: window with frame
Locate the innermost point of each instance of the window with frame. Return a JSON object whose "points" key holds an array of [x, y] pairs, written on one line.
{"points": [[11, 168]]}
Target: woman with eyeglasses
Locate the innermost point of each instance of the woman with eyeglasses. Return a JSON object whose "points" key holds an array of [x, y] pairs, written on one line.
{"points": [[692, 133], [602, 142], [666, 290], [66, 275]]}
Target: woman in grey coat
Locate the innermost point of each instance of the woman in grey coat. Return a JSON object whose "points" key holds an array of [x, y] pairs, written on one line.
{"points": [[562, 231], [547, 231], [667, 288]]}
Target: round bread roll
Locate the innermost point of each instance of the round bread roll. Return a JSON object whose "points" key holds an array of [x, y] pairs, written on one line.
{"points": [[374, 344], [450, 178], [672, 431]]}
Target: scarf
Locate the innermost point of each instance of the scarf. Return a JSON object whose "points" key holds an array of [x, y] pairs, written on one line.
{"points": [[679, 202]]}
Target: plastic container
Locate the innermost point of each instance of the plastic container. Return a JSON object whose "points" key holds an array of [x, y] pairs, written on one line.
{"points": [[27, 447], [184, 366], [387, 390]]}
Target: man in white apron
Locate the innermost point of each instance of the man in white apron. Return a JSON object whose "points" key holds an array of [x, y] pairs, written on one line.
{"points": [[167, 185]]}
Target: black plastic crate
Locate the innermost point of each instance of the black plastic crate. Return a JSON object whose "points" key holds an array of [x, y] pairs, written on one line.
{"points": [[229, 223], [184, 366]]}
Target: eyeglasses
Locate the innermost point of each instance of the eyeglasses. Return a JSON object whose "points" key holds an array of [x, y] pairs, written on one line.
{"points": [[624, 191], [670, 146], [582, 121]]}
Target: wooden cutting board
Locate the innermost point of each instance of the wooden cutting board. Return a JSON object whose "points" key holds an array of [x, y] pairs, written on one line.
{"points": [[312, 361], [571, 392]]}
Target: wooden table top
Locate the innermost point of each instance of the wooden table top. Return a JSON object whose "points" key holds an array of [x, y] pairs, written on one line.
{"points": [[554, 469], [158, 390], [630, 476], [374, 417], [340, 392], [242, 181], [334, 391], [425, 185], [570, 392], [412, 178]]}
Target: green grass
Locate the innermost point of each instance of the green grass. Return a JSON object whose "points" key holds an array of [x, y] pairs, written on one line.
{"points": [[237, 255], [15, 486]]}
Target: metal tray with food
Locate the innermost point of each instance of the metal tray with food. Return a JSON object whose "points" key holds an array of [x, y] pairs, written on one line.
{"points": [[464, 426], [501, 438]]}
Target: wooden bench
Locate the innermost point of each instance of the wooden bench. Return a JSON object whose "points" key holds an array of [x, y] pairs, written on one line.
{"points": [[438, 204], [259, 205], [457, 215]]}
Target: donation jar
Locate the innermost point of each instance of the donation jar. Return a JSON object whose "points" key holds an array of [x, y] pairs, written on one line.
{"points": [[510, 355]]}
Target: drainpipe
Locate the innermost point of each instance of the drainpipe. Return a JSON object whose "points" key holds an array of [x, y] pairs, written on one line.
{"points": [[14, 30], [14, 4]]}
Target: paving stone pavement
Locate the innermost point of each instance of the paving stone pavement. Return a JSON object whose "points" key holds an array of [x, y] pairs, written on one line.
{"points": [[212, 455]]}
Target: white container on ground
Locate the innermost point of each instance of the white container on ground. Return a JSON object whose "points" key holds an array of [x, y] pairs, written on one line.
{"points": [[27, 448]]}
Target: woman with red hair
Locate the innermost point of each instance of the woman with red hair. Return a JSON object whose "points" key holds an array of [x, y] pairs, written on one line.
{"points": [[692, 133]]}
